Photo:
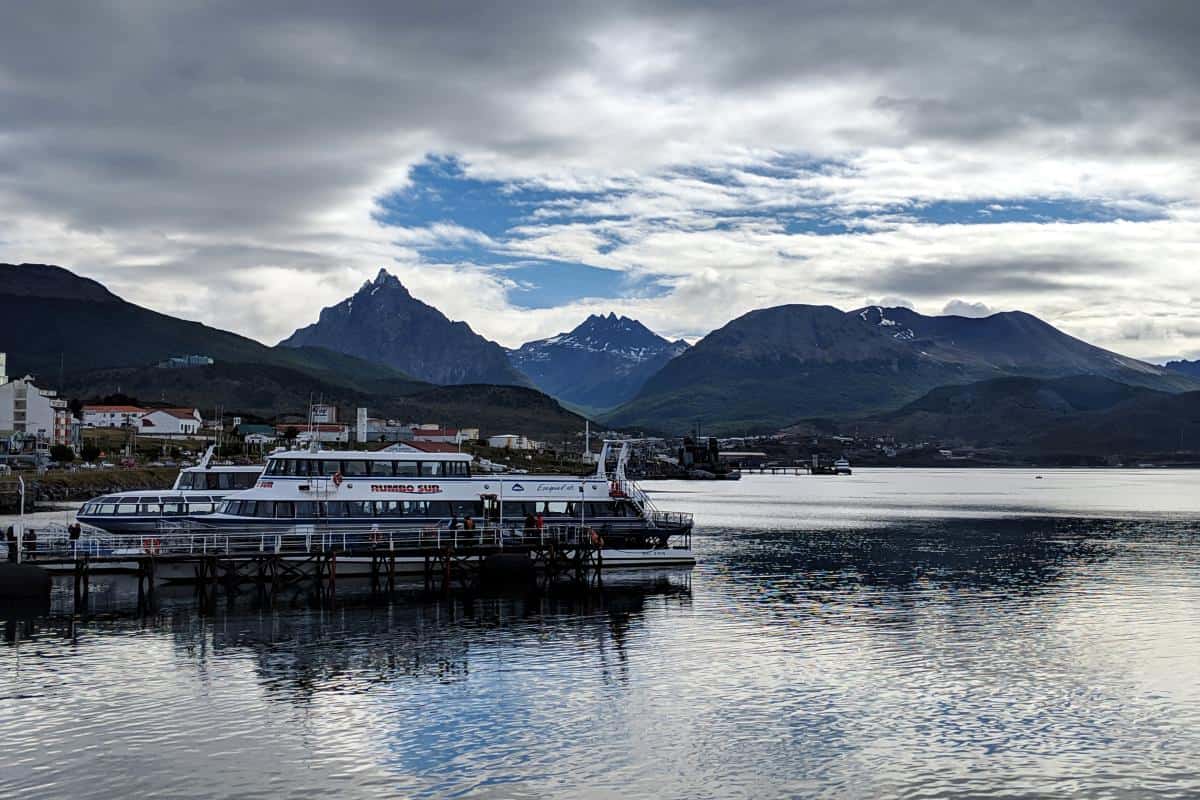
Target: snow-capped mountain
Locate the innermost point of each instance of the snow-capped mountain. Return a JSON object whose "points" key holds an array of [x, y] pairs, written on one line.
{"points": [[600, 364]]}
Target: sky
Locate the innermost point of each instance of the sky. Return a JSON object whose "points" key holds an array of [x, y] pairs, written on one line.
{"points": [[521, 165]]}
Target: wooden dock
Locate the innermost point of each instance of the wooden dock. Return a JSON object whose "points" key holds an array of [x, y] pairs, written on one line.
{"points": [[271, 561]]}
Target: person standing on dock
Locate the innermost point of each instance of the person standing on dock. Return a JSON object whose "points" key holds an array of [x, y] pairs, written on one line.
{"points": [[30, 541]]}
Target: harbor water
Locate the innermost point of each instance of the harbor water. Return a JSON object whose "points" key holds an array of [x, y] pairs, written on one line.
{"points": [[895, 633]]}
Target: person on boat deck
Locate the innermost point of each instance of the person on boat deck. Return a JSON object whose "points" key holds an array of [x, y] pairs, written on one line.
{"points": [[531, 525], [73, 531], [30, 541], [11, 537], [469, 524], [540, 522], [454, 521]]}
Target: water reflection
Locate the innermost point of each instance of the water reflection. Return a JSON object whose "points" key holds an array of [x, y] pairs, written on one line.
{"points": [[995, 658]]}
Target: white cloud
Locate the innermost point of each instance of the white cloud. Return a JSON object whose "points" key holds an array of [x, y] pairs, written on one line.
{"points": [[225, 164], [962, 308]]}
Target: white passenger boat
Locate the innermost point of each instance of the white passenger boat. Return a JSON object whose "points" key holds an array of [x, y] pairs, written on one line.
{"points": [[410, 503], [197, 490]]}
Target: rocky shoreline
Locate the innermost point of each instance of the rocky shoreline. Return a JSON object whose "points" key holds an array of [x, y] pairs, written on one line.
{"points": [[57, 487]]}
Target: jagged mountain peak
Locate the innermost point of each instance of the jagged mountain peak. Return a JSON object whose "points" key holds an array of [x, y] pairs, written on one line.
{"points": [[383, 322], [385, 281], [600, 362]]}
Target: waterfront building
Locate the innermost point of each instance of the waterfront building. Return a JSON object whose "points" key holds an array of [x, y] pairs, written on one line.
{"points": [[183, 362], [112, 416], [324, 433], [170, 422], [324, 414], [33, 413], [510, 441], [436, 433]]}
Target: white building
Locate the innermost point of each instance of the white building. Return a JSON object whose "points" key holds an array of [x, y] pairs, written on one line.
{"points": [[328, 434], [39, 413], [509, 441], [170, 422], [112, 416], [324, 414]]}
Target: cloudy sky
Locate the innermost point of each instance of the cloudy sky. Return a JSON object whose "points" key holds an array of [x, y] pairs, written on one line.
{"points": [[520, 165]]}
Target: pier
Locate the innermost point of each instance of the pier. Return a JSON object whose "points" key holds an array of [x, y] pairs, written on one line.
{"points": [[271, 559]]}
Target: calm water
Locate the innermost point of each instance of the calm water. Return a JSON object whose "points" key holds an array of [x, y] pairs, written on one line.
{"points": [[896, 633]]}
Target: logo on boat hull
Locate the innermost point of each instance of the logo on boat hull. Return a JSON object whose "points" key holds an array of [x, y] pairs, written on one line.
{"points": [[516, 487]]}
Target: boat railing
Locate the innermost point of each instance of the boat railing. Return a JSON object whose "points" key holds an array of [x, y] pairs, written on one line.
{"points": [[199, 539], [670, 519], [55, 541]]}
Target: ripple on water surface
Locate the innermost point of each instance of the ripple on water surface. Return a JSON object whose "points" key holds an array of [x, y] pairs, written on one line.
{"points": [[1027, 654]]}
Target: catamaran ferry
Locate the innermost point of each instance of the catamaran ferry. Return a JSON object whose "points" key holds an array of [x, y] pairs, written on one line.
{"points": [[197, 490], [351, 497]]}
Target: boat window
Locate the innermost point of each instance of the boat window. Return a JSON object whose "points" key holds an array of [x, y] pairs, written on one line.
{"points": [[244, 480], [306, 509], [244, 508], [358, 508], [107, 508], [284, 508], [334, 509], [127, 508], [414, 508], [354, 468], [264, 508], [465, 508], [272, 467], [381, 469], [406, 469], [389, 508], [173, 507], [456, 469], [431, 469], [438, 508], [150, 508], [199, 508], [186, 480]]}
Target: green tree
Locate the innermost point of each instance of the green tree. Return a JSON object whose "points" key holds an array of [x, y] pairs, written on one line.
{"points": [[89, 453], [62, 454]]}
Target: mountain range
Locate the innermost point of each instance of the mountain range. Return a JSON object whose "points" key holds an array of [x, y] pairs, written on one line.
{"points": [[763, 371], [384, 323], [599, 364], [776, 365]]}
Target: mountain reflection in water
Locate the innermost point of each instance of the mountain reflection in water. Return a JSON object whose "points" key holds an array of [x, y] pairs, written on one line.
{"points": [[1029, 656]]}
